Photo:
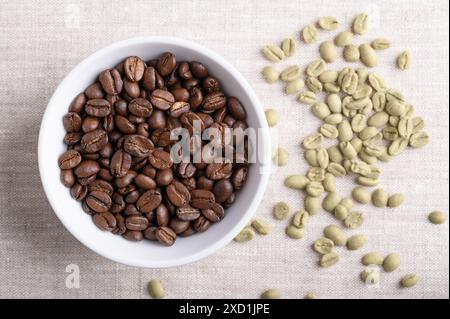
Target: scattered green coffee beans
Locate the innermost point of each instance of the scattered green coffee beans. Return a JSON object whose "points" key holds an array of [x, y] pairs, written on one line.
{"points": [[380, 198], [391, 262], [296, 181], [289, 47], [336, 234], [309, 34], [328, 23], [271, 294], [245, 235], [404, 60], [323, 245], [344, 38], [355, 242], [270, 74], [329, 259], [281, 211], [295, 232], [261, 226], [328, 51], [281, 157], [409, 281], [395, 200], [373, 258], [271, 117], [437, 217], [273, 53], [156, 289], [360, 24]]}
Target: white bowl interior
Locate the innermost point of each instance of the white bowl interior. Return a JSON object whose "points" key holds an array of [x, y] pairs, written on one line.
{"points": [[147, 253]]}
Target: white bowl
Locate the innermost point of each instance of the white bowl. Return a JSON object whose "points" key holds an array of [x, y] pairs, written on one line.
{"points": [[147, 253]]}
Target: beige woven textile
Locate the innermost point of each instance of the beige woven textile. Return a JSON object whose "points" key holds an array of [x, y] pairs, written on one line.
{"points": [[41, 41]]}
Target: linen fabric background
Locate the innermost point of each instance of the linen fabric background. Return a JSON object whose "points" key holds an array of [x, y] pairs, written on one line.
{"points": [[40, 42]]}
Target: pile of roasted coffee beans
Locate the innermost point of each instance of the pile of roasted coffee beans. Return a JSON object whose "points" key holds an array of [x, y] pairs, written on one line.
{"points": [[118, 162]]}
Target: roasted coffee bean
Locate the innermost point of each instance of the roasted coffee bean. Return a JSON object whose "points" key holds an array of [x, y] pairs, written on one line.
{"points": [[236, 109], [72, 138], [133, 235], [158, 120], [99, 201], [112, 99], [239, 177], [178, 194], [86, 180], [78, 103], [90, 156], [166, 63], [217, 171], [134, 68], [180, 94], [121, 107], [72, 122], [184, 71], [111, 81], [214, 101], [222, 190], [178, 225], [190, 120], [165, 236], [90, 124], [149, 201], [101, 186], [94, 141], [162, 215], [136, 223], [143, 129], [87, 168], [124, 125], [196, 98], [164, 177], [150, 233], [69, 159], [107, 151], [229, 201], [118, 203], [125, 180], [78, 191], [120, 228], [220, 114], [201, 224], [136, 119], [120, 163], [149, 78], [198, 70], [140, 107], [187, 213], [105, 174], [137, 145], [161, 99], [114, 136], [202, 199], [132, 90], [131, 210], [67, 178], [205, 183], [186, 170], [98, 107], [132, 197], [160, 159], [178, 108], [94, 91], [206, 119], [86, 208], [105, 221], [211, 84], [188, 232], [215, 213]]}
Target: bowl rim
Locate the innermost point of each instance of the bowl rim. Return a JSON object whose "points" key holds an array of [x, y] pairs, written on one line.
{"points": [[264, 166]]}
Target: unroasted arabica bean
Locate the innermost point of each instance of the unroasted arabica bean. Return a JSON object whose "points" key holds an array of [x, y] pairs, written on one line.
{"points": [[296, 181], [156, 289], [294, 86], [288, 46], [381, 44], [329, 183], [281, 210], [309, 34], [271, 294], [300, 219], [316, 68], [355, 242], [312, 204], [373, 258], [344, 38], [409, 280], [354, 220], [291, 73], [281, 157], [395, 200], [272, 117], [351, 53], [419, 139], [324, 245], [313, 141], [307, 97], [361, 195], [368, 55], [336, 234], [313, 84], [329, 259], [295, 232], [329, 131], [331, 201], [437, 217], [360, 24], [261, 226], [379, 198], [328, 51], [271, 75], [404, 60], [328, 23], [391, 262], [273, 53], [245, 235]]}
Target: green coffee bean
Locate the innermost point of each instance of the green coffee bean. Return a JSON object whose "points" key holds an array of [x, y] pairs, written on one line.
{"points": [[313, 84], [351, 53], [296, 181], [381, 44], [404, 60], [314, 189], [329, 131], [323, 246], [310, 295], [295, 232], [309, 34], [395, 200], [261, 226], [368, 55], [281, 157], [357, 144], [378, 119], [367, 158], [344, 38], [271, 294], [334, 103], [379, 101], [281, 211], [312, 204], [290, 73], [437, 217], [418, 124], [270, 74], [345, 131], [360, 24], [289, 46], [391, 262], [348, 80], [362, 90], [359, 122], [373, 150], [363, 74], [334, 119], [328, 23], [294, 86], [397, 146], [328, 76], [341, 212], [271, 117], [380, 198], [368, 133], [409, 281], [361, 168], [316, 68], [322, 158], [390, 133], [245, 235], [335, 154], [329, 259], [300, 219], [370, 277], [331, 201], [405, 127], [316, 174], [354, 220], [419, 139], [311, 158], [385, 157], [395, 108], [347, 150], [355, 242], [307, 97], [329, 183], [409, 110], [328, 51], [336, 234], [377, 82], [395, 95], [373, 258], [321, 110], [313, 141], [331, 88], [367, 181], [347, 203], [156, 289], [273, 53], [393, 120], [336, 169]]}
